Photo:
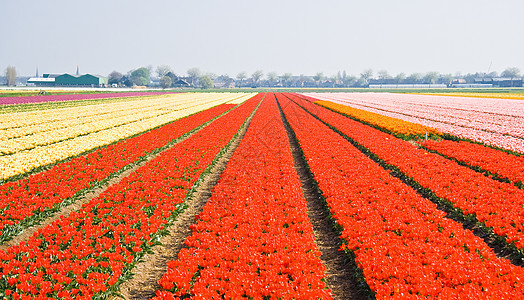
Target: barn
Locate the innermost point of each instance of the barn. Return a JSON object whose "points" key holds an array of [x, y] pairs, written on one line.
{"points": [[86, 80]]}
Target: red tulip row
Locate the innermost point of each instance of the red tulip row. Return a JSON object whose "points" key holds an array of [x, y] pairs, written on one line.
{"points": [[404, 245], [253, 238], [488, 159], [496, 204], [28, 200], [93, 250]]}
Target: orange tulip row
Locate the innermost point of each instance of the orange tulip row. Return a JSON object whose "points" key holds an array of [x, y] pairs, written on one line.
{"points": [[390, 124]]}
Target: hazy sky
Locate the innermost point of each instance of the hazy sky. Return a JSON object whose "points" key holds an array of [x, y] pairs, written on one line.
{"points": [[230, 36]]}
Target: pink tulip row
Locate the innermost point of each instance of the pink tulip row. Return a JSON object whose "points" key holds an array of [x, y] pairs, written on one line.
{"points": [[72, 97], [498, 122]]}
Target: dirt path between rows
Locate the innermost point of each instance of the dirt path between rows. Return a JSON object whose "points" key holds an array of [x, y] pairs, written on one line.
{"points": [[499, 246], [77, 205], [144, 283], [340, 275]]}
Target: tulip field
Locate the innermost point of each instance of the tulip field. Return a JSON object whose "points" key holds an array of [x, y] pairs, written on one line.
{"points": [[424, 194], [496, 122]]}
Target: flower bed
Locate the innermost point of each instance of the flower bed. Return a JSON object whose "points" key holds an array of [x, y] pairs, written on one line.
{"points": [[495, 204], [393, 125], [494, 161], [91, 251], [72, 97], [253, 238], [496, 122], [28, 200], [404, 245], [68, 142]]}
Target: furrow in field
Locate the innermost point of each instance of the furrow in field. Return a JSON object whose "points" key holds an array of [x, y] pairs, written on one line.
{"points": [[32, 200], [92, 251], [497, 206], [148, 272], [402, 242], [253, 238]]}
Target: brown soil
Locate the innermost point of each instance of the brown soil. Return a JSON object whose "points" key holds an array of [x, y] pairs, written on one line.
{"points": [[340, 275], [147, 273]]}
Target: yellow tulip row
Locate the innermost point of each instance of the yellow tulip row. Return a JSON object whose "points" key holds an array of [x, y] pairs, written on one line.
{"points": [[390, 124], [24, 161], [52, 132]]}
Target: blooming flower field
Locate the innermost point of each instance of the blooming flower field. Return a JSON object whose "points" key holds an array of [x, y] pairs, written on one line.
{"points": [[497, 122], [75, 97], [398, 237], [37, 138], [400, 206]]}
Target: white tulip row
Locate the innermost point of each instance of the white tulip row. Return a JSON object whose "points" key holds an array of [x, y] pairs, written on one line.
{"points": [[23, 161]]}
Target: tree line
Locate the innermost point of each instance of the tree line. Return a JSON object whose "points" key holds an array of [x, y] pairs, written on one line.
{"points": [[165, 77]]}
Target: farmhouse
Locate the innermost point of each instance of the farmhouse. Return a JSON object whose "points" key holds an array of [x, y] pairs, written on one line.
{"points": [[501, 82], [69, 80]]}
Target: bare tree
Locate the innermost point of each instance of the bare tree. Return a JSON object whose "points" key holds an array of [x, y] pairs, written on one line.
{"points": [[194, 74], [256, 76], [400, 77], [272, 78], [150, 68], [367, 74], [241, 76], [10, 76], [286, 77], [162, 70], [383, 74], [511, 73], [365, 77], [431, 77]]}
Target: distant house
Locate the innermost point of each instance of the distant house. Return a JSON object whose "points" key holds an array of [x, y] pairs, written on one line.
{"points": [[500, 82], [458, 81], [86, 80], [181, 83], [507, 82]]}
